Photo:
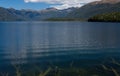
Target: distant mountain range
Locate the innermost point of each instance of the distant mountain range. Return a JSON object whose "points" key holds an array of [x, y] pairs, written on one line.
{"points": [[10, 14], [84, 12]]}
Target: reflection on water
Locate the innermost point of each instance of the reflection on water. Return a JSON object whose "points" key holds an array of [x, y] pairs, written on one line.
{"points": [[41, 42]]}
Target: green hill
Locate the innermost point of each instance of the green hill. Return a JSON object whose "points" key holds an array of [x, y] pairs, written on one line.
{"points": [[107, 17]]}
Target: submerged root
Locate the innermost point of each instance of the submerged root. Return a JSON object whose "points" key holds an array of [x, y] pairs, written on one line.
{"points": [[111, 70], [105, 68], [115, 62], [115, 72], [46, 72]]}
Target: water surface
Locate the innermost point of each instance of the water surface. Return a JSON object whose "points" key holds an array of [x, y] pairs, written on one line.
{"points": [[58, 43]]}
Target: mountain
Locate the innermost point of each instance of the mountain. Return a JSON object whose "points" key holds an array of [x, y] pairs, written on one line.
{"points": [[10, 14], [83, 13], [48, 10], [54, 13], [105, 1], [94, 8]]}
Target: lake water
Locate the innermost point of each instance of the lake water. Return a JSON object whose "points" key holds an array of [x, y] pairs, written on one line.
{"points": [[84, 44]]}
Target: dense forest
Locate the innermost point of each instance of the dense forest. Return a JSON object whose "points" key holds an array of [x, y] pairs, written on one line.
{"points": [[106, 17]]}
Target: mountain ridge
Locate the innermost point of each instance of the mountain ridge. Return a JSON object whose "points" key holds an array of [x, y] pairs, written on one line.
{"points": [[91, 9], [105, 1], [11, 14], [82, 13]]}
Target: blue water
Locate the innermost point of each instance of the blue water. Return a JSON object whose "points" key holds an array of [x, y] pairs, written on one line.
{"points": [[58, 43]]}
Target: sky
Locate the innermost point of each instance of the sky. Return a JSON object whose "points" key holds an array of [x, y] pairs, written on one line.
{"points": [[42, 4]]}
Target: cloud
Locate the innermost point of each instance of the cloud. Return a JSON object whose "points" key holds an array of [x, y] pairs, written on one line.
{"points": [[62, 4]]}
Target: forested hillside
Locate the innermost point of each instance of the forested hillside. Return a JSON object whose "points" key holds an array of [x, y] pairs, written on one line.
{"points": [[107, 17]]}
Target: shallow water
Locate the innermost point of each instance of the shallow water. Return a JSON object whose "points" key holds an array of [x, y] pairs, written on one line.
{"points": [[46, 44]]}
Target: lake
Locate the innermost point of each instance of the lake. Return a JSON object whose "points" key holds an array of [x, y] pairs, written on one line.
{"points": [[58, 44]]}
